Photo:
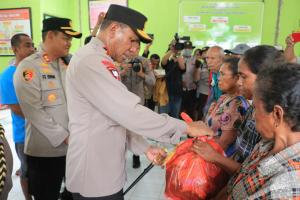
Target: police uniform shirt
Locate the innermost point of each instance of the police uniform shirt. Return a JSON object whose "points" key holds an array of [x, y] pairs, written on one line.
{"points": [[39, 85], [104, 117]]}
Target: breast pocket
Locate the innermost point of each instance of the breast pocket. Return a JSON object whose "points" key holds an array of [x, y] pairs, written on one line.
{"points": [[52, 94]]}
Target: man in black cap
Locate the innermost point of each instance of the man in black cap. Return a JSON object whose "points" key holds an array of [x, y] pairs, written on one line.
{"points": [[105, 118], [40, 87]]}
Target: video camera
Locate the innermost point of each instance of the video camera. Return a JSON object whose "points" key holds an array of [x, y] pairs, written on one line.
{"points": [[179, 45], [136, 64]]}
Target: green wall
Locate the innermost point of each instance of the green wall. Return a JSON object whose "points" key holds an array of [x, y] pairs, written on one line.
{"points": [[162, 19], [35, 22]]}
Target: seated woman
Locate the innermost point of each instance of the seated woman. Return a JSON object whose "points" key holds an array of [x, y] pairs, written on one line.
{"points": [[253, 61], [272, 171], [229, 109]]}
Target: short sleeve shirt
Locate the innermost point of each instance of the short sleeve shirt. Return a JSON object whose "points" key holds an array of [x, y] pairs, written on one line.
{"points": [[8, 97]]}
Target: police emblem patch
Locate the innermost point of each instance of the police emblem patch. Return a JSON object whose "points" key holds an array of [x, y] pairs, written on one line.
{"points": [[28, 74], [112, 69]]}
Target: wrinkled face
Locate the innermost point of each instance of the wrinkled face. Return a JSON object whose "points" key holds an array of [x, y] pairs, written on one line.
{"points": [[227, 81], [154, 63], [25, 48], [246, 79], [61, 43], [214, 59], [264, 122], [123, 43]]}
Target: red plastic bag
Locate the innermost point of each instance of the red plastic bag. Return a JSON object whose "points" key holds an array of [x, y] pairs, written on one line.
{"points": [[189, 176]]}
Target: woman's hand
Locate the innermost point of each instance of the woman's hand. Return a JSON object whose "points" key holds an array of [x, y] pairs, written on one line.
{"points": [[205, 151]]}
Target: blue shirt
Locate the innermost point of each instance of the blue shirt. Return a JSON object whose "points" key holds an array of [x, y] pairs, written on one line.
{"points": [[8, 96]]}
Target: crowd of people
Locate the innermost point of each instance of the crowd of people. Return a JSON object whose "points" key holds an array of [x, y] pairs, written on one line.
{"points": [[75, 116]]}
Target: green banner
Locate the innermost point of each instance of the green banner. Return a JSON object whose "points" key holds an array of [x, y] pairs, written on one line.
{"points": [[221, 23]]}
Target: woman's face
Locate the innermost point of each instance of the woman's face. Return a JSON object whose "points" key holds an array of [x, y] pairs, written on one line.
{"points": [[227, 81], [246, 79], [264, 121]]}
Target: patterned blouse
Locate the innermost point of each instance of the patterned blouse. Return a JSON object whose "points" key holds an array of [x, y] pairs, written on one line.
{"points": [[268, 177], [225, 114]]}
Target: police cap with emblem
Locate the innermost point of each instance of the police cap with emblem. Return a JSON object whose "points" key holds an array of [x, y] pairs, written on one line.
{"points": [[135, 20], [60, 24]]}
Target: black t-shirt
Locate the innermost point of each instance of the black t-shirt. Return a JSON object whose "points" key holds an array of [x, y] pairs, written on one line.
{"points": [[173, 78]]}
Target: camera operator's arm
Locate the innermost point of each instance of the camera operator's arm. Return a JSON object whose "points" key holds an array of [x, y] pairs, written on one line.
{"points": [[146, 50], [99, 22], [181, 62], [289, 52], [148, 74], [166, 58], [124, 67]]}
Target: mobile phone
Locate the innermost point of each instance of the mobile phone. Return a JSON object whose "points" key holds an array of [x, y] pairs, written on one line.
{"points": [[296, 37]]}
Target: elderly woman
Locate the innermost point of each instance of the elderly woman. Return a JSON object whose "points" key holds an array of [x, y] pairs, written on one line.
{"points": [[272, 171], [228, 110], [253, 61]]}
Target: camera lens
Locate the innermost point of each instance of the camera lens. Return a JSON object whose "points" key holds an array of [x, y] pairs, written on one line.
{"points": [[136, 67]]}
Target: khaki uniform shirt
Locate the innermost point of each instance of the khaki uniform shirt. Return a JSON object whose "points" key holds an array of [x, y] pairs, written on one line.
{"points": [[40, 88], [104, 117]]}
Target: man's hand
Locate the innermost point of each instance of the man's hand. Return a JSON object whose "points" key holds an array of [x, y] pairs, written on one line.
{"points": [[101, 17], [141, 73], [124, 68], [199, 128], [147, 47], [66, 141], [205, 151], [156, 155]]}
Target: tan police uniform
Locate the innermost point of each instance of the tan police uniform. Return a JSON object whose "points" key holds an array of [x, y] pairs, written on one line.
{"points": [[40, 87], [104, 117]]}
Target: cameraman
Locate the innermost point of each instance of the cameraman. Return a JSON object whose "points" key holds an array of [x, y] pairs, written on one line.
{"points": [[173, 63], [189, 85], [135, 74]]}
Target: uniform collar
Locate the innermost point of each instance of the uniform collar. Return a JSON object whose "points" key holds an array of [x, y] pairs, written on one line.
{"points": [[99, 44], [43, 54]]}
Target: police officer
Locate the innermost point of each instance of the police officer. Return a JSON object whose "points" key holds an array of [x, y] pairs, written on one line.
{"points": [[40, 86], [137, 75], [105, 118]]}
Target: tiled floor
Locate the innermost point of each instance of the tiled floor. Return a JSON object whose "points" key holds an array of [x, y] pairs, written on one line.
{"points": [[150, 187]]}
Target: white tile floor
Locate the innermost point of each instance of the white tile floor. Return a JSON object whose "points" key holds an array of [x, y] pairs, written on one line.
{"points": [[151, 187]]}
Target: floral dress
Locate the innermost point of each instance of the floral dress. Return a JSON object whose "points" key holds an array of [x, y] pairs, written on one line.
{"points": [[225, 114]]}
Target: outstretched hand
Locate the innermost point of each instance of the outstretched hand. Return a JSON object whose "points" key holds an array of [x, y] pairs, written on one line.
{"points": [[198, 128]]}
